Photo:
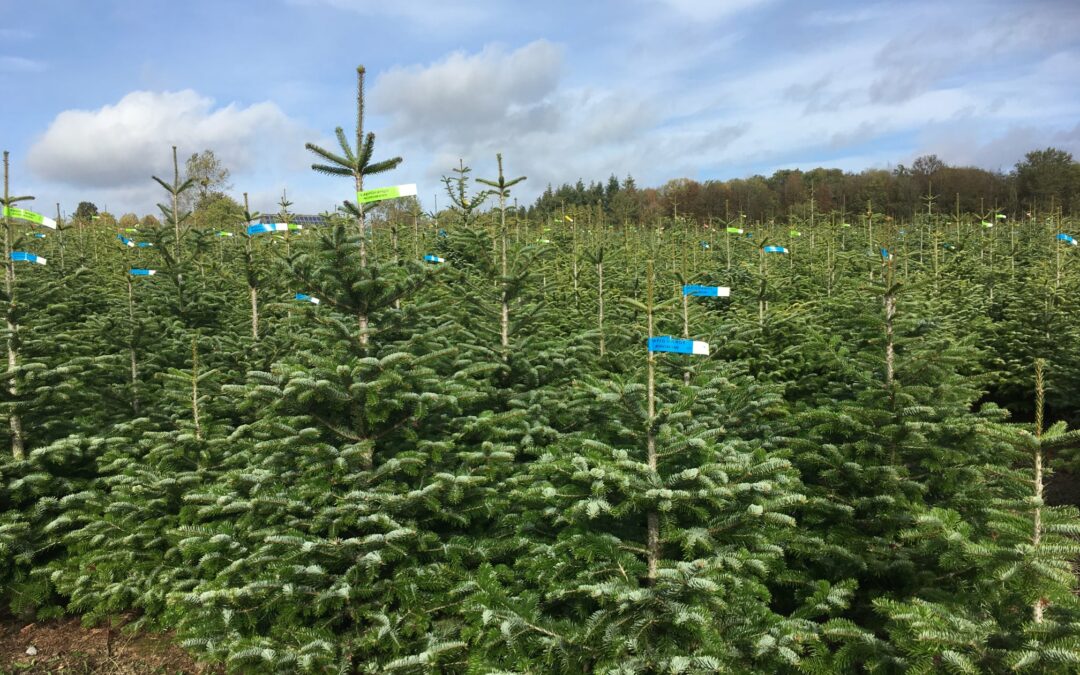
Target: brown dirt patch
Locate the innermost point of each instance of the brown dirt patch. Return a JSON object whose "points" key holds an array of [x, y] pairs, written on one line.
{"points": [[65, 646]]}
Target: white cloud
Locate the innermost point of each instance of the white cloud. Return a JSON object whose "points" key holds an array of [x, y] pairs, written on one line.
{"points": [[963, 143], [121, 145], [463, 97], [473, 106], [867, 84]]}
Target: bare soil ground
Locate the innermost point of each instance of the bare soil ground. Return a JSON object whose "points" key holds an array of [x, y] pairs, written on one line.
{"points": [[65, 646]]}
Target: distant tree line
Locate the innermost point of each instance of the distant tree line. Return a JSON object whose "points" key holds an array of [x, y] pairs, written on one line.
{"points": [[1044, 180]]}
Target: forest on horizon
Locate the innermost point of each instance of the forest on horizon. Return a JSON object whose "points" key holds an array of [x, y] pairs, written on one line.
{"points": [[1045, 180]]}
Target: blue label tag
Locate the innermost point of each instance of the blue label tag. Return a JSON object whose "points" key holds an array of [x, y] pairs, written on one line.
{"points": [[666, 343], [23, 256], [706, 291]]}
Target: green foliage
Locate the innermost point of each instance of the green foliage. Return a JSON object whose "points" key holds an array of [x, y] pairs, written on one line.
{"points": [[437, 468]]}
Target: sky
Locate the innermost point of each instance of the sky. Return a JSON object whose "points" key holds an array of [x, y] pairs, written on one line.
{"points": [[95, 92]]}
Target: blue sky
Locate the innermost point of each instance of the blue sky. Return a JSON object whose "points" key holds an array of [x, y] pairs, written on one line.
{"points": [[95, 93]]}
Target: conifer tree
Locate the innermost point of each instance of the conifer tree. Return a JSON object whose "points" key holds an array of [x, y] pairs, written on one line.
{"points": [[18, 449], [355, 161], [175, 217], [502, 189]]}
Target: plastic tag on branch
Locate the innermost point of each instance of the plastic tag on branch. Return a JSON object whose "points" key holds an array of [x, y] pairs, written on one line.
{"points": [[392, 192], [262, 228], [36, 235], [705, 245], [140, 272], [223, 233], [987, 223], [775, 249], [304, 297], [433, 259], [885, 255], [734, 230], [23, 256], [1068, 239], [29, 216], [795, 233], [706, 291], [125, 241], [144, 244], [1000, 216], [666, 343]]}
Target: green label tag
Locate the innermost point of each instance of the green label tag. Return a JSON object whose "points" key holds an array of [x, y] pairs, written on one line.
{"points": [[392, 192], [23, 214]]}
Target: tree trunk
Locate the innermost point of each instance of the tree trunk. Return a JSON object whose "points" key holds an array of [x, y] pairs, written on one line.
{"points": [[505, 318], [652, 521], [131, 348], [1036, 536], [18, 450], [600, 316]]}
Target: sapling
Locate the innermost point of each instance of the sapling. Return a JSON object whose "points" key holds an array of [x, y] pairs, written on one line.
{"points": [[17, 443], [251, 270], [681, 279], [416, 212], [60, 229], [355, 161], [502, 189], [176, 217], [286, 217], [652, 518], [461, 203], [597, 259], [126, 271]]}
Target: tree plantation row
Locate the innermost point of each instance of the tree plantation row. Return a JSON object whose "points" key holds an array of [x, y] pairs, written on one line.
{"points": [[465, 457]]}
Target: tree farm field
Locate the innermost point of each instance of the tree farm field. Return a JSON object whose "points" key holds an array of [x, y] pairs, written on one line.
{"points": [[690, 412]]}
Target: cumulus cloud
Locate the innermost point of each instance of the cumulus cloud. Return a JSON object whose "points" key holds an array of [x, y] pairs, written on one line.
{"points": [[473, 106], [464, 97], [964, 143], [864, 83], [923, 57], [122, 145]]}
